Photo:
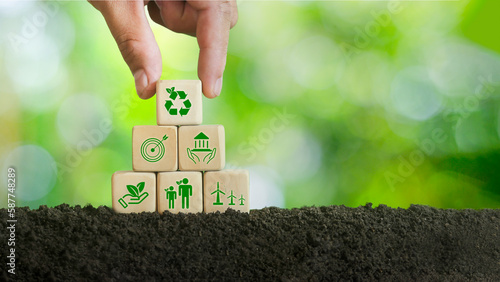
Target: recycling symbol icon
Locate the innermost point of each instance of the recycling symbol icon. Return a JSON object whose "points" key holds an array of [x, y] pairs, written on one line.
{"points": [[169, 103]]}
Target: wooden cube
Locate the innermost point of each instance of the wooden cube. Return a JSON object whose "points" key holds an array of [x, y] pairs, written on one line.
{"points": [[154, 148], [133, 191], [180, 191], [202, 147], [226, 189], [179, 102]]}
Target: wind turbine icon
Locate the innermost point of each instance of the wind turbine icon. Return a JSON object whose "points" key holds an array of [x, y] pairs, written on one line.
{"points": [[232, 197], [241, 200], [218, 191]]}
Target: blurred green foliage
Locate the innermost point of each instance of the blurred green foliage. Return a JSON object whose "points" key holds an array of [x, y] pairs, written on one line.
{"points": [[325, 102]]}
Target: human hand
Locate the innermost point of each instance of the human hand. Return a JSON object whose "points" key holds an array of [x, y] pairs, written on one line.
{"points": [[208, 20]]}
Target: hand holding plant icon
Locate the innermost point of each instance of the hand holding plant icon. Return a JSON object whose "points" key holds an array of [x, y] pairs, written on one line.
{"points": [[134, 196]]}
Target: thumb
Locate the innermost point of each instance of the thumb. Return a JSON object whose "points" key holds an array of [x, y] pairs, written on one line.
{"points": [[129, 26]]}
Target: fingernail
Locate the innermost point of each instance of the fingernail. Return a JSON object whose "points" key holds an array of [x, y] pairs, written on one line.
{"points": [[141, 82], [218, 87]]}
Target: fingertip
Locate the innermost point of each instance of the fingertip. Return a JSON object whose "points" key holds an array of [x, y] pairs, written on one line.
{"points": [[208, 94], [149, 91], [141, 82], [218, 87], [145, 85], [212, 89]]}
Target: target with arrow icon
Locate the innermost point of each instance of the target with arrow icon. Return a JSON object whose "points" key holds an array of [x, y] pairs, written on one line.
{"points": [[152, 149]]}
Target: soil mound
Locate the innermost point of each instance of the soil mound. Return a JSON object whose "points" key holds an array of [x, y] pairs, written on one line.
{"points": [[311, 243]]}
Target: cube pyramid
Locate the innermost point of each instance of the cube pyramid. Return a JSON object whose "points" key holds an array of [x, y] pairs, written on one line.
{"points": [[178, 164]]}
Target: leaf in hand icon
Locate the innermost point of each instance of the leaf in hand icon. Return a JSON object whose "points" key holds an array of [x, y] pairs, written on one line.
{"points": [[134, 197]]}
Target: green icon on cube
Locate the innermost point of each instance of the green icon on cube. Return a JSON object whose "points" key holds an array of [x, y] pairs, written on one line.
{"points": [[185, 191], [134, 197], [232, 197], [169, 103], [201, 151], [152, 149], [241, 200], [171, 195], [218, 191]]}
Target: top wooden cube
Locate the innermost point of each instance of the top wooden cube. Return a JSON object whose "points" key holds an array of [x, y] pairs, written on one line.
{"points": [[178, 102]]}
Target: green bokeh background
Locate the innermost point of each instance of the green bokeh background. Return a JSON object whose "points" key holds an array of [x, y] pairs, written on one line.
{"points": [[325, 102]]}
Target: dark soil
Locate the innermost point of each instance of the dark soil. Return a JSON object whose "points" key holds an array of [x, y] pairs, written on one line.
{"points": [[318, 243]]}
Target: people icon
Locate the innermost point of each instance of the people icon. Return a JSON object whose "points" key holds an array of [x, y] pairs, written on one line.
{"points": [[185, 191], [171, 195]]}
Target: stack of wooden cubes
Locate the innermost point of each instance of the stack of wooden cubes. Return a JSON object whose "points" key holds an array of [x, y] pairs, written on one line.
{"points": [[178, 165]]}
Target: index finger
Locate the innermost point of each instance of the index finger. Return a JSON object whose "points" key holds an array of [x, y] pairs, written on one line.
{"points": [[212, 32]]}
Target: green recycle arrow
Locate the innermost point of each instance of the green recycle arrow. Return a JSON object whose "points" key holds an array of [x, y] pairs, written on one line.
{"points": [[169, 104]]}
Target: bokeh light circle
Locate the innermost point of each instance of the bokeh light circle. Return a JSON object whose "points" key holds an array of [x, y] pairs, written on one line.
{"points": [[33, 65], [458, 68], [36, 173], [413, 95], [36, 47]]}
